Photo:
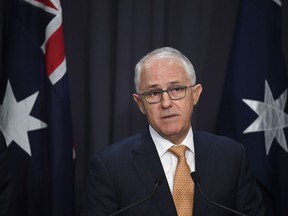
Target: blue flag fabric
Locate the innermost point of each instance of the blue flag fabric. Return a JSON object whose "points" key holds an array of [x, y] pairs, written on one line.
{"points": [[254, 105], [35, 115]]}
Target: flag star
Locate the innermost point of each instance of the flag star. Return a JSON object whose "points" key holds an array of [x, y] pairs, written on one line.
{"points": [[16, 121], [271, 118]]}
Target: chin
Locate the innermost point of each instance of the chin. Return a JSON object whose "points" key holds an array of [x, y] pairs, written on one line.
{"points": [[170, 133]]}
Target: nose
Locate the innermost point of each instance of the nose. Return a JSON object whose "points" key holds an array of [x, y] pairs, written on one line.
{"points": [[166, 100]]}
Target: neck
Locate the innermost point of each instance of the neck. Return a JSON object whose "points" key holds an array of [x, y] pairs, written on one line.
{"points": [[176, 139]]}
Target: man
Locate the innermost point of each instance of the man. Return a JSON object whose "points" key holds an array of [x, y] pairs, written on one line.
{"points": [[130, 170]]}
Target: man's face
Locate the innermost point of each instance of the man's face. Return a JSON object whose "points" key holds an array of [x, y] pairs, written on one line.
{"points": [[170, 118]]}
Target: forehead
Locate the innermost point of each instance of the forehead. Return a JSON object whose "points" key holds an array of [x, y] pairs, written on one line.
{"points": [[163, 71]]}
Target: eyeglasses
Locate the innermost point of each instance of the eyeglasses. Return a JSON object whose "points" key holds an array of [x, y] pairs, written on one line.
{"points": [[174, 92]]}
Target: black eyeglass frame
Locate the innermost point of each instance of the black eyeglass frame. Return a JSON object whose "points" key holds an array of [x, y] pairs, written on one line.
{"points": [[144, 94]]}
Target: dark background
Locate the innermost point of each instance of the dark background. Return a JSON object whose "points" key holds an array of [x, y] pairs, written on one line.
{"points": [[104, 39]]}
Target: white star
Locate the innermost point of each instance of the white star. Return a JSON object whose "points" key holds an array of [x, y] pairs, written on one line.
{"points": [[272, 118], [15, 119]]}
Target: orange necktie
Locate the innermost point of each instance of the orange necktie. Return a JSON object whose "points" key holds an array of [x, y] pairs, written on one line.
{"points": [[183, 189]]}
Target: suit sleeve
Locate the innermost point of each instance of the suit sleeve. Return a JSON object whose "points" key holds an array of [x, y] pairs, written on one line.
{"points": [[249, 196], [99, 198]]}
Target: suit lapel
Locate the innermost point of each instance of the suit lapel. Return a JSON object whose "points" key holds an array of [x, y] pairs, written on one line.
{"points": [[147, 164], [205, 166]]}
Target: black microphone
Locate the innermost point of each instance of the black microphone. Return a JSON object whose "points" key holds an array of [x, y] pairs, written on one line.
{"points": [[196, 180], [157, 183]]}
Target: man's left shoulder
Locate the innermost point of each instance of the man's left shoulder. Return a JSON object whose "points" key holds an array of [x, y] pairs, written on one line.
{"points": [[218, 141], [203, 135]]}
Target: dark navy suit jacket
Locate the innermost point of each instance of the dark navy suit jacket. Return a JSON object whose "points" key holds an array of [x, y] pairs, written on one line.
{"points": [[125, 173]]}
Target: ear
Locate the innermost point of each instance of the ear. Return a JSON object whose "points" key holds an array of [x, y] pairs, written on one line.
{"points": [[197, 89], [138, 100]]}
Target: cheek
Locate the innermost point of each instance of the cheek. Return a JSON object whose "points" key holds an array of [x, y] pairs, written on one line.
{"points": [[152, 113], [187, 111]]}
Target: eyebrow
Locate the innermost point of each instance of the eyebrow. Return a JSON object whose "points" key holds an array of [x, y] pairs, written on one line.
{"points": [[169, 84]]}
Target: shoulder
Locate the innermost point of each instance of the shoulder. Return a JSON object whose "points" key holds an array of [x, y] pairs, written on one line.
{"points": [[206, 136], [122, 148], [219, 153], [125, 143], [218, 143]]}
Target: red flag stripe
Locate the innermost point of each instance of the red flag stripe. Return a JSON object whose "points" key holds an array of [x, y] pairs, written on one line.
{"points": [[47, 3], [48, 7], [54, 51], [53, 46]]}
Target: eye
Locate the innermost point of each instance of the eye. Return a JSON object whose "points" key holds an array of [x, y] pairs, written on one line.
{"points": [[177, 88], [153, 93]]}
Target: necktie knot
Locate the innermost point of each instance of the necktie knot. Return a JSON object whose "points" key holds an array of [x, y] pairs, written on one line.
{"points": [[178, 151]]}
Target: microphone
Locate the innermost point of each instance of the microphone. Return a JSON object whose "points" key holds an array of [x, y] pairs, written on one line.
{"points": [[158, 181], [196, 180]]}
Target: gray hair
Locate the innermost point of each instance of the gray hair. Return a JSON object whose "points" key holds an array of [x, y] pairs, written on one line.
{"points": [[165, 52]]}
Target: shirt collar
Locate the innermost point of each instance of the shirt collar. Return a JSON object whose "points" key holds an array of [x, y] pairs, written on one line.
{"points": [[162, 145]]}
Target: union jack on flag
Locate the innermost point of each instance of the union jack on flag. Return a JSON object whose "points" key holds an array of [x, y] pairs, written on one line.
{"points": [[35, 116]]}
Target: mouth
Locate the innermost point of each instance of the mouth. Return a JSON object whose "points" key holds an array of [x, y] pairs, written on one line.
{"points": [[169, 116]]}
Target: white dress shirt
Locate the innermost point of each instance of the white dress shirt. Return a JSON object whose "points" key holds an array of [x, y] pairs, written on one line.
{"points": [[168, 160]]}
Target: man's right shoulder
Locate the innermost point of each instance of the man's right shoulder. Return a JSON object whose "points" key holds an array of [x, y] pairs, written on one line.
{"points": [[123, 145]]}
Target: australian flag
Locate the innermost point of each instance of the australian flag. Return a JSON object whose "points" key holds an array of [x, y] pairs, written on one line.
{"points": [[35, 115], [254, 107]]}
